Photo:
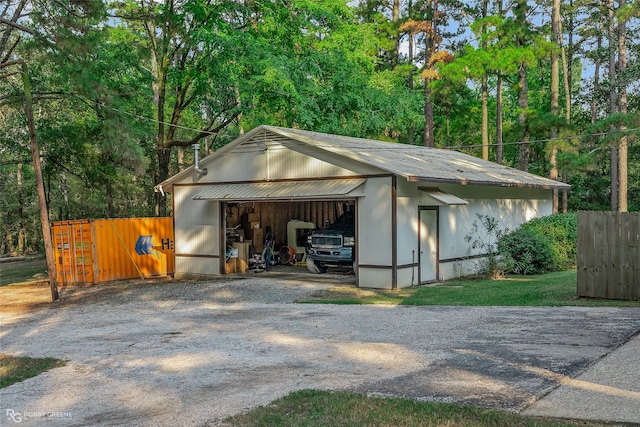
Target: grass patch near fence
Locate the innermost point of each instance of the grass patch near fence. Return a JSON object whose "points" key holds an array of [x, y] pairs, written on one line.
{"points": [[316, 408], [25, 271], [15, 369], [553, 289]]}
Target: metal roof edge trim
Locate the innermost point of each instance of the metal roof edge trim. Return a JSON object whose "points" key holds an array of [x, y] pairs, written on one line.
{"points": [[550, 186], [443, 196], [259, 181], [294, 190]]}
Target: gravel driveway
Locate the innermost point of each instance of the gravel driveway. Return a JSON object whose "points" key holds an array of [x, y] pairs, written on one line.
{"points": [[193, 353]]}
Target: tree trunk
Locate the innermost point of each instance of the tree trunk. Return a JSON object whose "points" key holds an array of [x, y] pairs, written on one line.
{"points": [[553, 173], [485, 118], [164, 155], [410, 130], [567, 66], [240, 125], [520, 11], [613, 101], [485, 91], [159, 65], [44, 211], [447, 119], [554, 94], [64, 189], [499, 107], [9, 247], [523, 106], [6, 33], [565, 192], [622, 102], [427, 138], [21, 218], [499, 120], [596, 83], [613, 160], [395, 17]]}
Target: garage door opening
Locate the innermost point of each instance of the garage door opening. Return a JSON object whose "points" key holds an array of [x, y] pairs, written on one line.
{"points": [[283, 229]]}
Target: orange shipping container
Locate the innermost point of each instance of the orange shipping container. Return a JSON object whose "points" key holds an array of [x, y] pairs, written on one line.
{"points": [[100, 250]]}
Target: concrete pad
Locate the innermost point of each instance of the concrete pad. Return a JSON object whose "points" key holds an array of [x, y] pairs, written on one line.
{"points": [[607, 391]]}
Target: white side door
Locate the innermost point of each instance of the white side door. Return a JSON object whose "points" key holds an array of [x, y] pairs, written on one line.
{"points": [[428, 245]]}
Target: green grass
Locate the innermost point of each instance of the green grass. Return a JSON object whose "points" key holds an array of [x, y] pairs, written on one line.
{"points": [[23, 272], [15, 369], [553, 289], [315, 408]]}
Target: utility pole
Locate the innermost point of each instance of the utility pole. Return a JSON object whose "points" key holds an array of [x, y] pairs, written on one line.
{"points": [[44, 215]]}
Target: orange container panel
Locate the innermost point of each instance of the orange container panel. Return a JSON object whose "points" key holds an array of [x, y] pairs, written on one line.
{"points": [[93, 251], [72, 241]]}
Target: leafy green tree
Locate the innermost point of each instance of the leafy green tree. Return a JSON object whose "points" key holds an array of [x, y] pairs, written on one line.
{"points": [[384, 18], [189, 48], [496, 56], [78, 77]]}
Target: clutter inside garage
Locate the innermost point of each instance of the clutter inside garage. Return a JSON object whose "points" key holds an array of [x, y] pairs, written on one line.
{"points": [[264, 235]]}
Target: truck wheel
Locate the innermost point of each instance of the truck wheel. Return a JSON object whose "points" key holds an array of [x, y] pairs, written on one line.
{"points": [[314, 267]]}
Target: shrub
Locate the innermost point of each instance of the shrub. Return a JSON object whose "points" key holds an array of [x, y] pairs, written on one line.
{"points": [[560, 230], [525, 252], [542, 244]]}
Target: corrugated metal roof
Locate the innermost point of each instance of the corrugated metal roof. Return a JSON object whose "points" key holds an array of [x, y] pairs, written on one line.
{"points": [[420, 164], [280, 190], [415, 163]]}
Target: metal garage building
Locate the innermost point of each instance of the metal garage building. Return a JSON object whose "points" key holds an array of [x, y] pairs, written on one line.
{"points": [[413, 205]]}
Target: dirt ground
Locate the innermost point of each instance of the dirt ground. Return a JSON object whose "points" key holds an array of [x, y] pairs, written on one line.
{"points": [[166, 352], [34, 294], [25, 298]]}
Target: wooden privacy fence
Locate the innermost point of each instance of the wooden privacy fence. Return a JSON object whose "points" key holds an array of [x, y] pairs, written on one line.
{"points": [[609, 255]]}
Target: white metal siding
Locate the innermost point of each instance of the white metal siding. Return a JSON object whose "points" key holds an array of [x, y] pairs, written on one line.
{"points": [[459, 268], [191, 267], [406, 277], [253, 164], [374, 278], [407, 231], [410, 200], [512, 206], [375, 234], [197, 232], [334, 158]]}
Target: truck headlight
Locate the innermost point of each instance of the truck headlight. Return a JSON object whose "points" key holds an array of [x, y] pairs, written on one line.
{"points": [[349, 241]]}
